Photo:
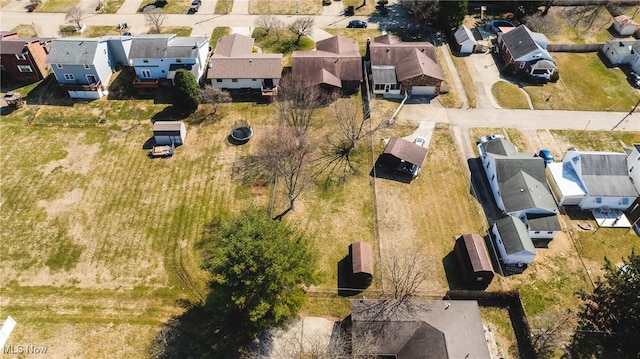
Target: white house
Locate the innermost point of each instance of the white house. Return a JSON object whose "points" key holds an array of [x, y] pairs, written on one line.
{"points": [[633, 164], [169, 132], [465, 41], [593, 180], [513, 242], [156, 58], [235, 66], [624, 25]]}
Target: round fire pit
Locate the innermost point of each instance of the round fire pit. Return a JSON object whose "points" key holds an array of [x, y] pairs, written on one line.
{"points": [[242, 133]]}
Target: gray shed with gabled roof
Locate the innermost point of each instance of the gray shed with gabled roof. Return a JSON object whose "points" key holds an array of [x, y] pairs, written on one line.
{"points": [[169, 132]]}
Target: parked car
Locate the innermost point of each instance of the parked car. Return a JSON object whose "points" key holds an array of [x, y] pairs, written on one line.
{"points": [[357, 24], [546, 156], [634, 79], [195, 5], [420, 141], [489, 137], [127, 34]]}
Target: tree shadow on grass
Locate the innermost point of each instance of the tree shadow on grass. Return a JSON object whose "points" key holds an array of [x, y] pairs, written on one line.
{"points": [[197, 334]]}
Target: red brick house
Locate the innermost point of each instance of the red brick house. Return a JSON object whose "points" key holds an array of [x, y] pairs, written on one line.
{"points": [[23, 59]]}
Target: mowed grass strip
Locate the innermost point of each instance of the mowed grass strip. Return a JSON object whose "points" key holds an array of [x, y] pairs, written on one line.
{"points": [[467, 80], [508, 95], [585, 84], [284, 7], [56, 6]]}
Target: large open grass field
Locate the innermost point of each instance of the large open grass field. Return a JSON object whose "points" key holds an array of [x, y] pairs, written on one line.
{"points": [[100, 242]]}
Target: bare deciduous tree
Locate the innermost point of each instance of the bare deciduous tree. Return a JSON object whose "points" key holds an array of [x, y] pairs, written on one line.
{"points": [[278, 29], [285, 153], [267, 22], [549, 24], [301, 27], [353, 126], [154, 17], [214, 96], [75, 15], [297, 102], [406, 270], [553, 331]]}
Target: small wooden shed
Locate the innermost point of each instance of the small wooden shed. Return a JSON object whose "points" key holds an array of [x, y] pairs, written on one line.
{"points": [[361, 264], [465, 41], [473, 260], [169, 132]]}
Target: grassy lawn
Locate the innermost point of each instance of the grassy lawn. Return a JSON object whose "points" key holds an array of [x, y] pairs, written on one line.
{"points": [[603, 89], [451, 99], [25, 31], [111, 6], [581, 24], [285, 45], [56, 6], [508, 95], [90, 31], [287, 7], [467, 80], [223, 7], [598, 140]]}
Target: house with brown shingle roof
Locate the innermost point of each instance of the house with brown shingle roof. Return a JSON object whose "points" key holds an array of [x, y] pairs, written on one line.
{"points": [[23, 59], [398, 67], [234, 66], [335, 63]]}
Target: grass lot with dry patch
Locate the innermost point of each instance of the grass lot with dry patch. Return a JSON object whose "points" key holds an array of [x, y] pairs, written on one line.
{"points": [[508, 95], [56, 6]]}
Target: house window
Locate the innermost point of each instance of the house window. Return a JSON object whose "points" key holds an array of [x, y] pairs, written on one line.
{"points": [[536, 232], [493, 177], [575, 159], [145, 61], [478, 279], [379, 87], [1, 67], [59, 66], [254, 80], [522, 65], [598, 199], [234, 80], [24, 68], [69, 77], [625, 201], [488, 163], [145, 73], [218, 80], [91, 79], [631, 169], [21, 57], [178, 60], [549, 232], [87, 67]]}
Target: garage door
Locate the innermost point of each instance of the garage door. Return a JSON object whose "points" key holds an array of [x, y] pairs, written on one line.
{"points": [[423, 90]]}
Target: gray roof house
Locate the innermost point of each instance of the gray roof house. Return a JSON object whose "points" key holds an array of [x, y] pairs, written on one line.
{"points": [[418, 329], [519, 185], [156, 58], [465, 41], [604, 176], [525, 49], [235, 66], [620, 52], [513, 242], [82, 67]]}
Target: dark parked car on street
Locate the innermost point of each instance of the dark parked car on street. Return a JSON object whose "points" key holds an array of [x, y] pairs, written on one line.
{"points": [[357, 24]]}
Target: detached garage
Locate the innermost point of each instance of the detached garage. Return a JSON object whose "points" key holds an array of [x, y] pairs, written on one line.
{"points": [[473, 260], [169, 132], [465, 41], [361, 264]]}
